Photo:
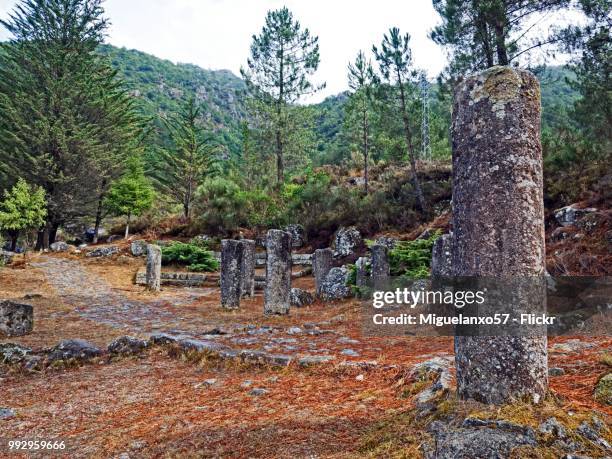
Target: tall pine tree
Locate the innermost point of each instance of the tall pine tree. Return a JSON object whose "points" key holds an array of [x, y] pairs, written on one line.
{"points": [[395, 60], [66, 123], [283, 57]]}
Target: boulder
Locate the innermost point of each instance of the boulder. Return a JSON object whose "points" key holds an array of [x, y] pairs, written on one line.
{"points": [[478, 438], [346, 241], [59, 246], [127, 345], [299, 297], [569, 215], [103, 251], [334, 286], [298, 235], [138, 248], [73, 349], [16, 319], [603, 390], [11, 353]]}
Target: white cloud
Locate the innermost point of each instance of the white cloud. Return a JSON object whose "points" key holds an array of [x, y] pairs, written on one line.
{"points": [[216, 34]]}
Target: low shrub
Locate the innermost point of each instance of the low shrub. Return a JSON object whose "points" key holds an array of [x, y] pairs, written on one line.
{"points": [[194, 257], [412, 259]]}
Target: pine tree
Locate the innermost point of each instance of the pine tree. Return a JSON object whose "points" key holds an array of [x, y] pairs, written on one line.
{"points": [[395, 61], [23, 208], [66, 123], [191, 159], [283, 57], [482, 33], [131, 195], [361, 80]]}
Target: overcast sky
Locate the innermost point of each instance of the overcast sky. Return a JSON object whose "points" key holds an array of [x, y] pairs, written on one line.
{"points": [[216, 34]]}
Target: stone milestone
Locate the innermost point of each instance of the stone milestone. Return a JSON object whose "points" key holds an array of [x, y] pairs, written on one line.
{"points": [[498, 224], [321, 264], [278, 272], [154, 260], [232, 254]]}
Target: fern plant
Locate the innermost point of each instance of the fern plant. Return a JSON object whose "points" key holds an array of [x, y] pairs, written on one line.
{"points": [[194, 257]]}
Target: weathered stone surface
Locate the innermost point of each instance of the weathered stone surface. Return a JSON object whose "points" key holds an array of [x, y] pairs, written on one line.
{"points": [[232, 253], [161, 339], [154, 260], [553, 427], [77, 349], [16, 319], [6, 257], [441, 260], [478, 439], [300, 298], [346, 241], [498, 222], [556, 371], [179, 278], [322, 263], [334, 286], [7, 413], [387, 241], [188, 344], [11, 353], [127, 345], [310, 360], [263, 358], [603, 390], [59, 246], [380, 265], [298, 235], [103, 251], [139, 248], [278, 272], [362, 274], [247, 267], [569, 215]]}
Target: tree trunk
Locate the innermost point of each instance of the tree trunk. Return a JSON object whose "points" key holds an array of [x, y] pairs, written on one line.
{"points": [[53, 232], [500, 44], [498, 231], [415, 179], [45, 239], [279, 111], [98, 216], [14, 238], [39, 240], [127, 227], [365, 148]]}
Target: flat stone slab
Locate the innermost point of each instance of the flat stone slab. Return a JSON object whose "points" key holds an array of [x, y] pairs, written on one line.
{"points": [[180, 279]]}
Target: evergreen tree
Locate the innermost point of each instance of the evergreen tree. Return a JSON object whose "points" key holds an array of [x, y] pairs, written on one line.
{"points": [[66, 123], [283, 57], [191, 158], [23, 208], [361, 79], [131, 195], [395, 60], [483, 33]]}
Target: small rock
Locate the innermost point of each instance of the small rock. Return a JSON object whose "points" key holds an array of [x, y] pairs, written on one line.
{"points": [[556, 371], [569, 215], [77, 349], [300, 298], [11, 353], [7, 413], [588, 432], [359, 378], [127, 345], [554, 427], [59, 247], [103, 251], [246, 384], [138, 248], [350, 353], [294, 331], [160, 339], [309, 360], [347, 340], [206, 383], [258, 391]]}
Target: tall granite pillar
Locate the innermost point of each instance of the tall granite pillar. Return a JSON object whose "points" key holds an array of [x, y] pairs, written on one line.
{"points": [[247, 268], [498, 224], [321, 264], [153, 276], [232, 254], [380, 266], [278, 272]]}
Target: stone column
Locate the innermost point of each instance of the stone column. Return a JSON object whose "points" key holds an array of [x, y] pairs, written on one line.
{"points": [[321, 264], [361, 266], [154, 260], [278, 272], [232, 255], [247, 268], [380, 266], [498, 224]]}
